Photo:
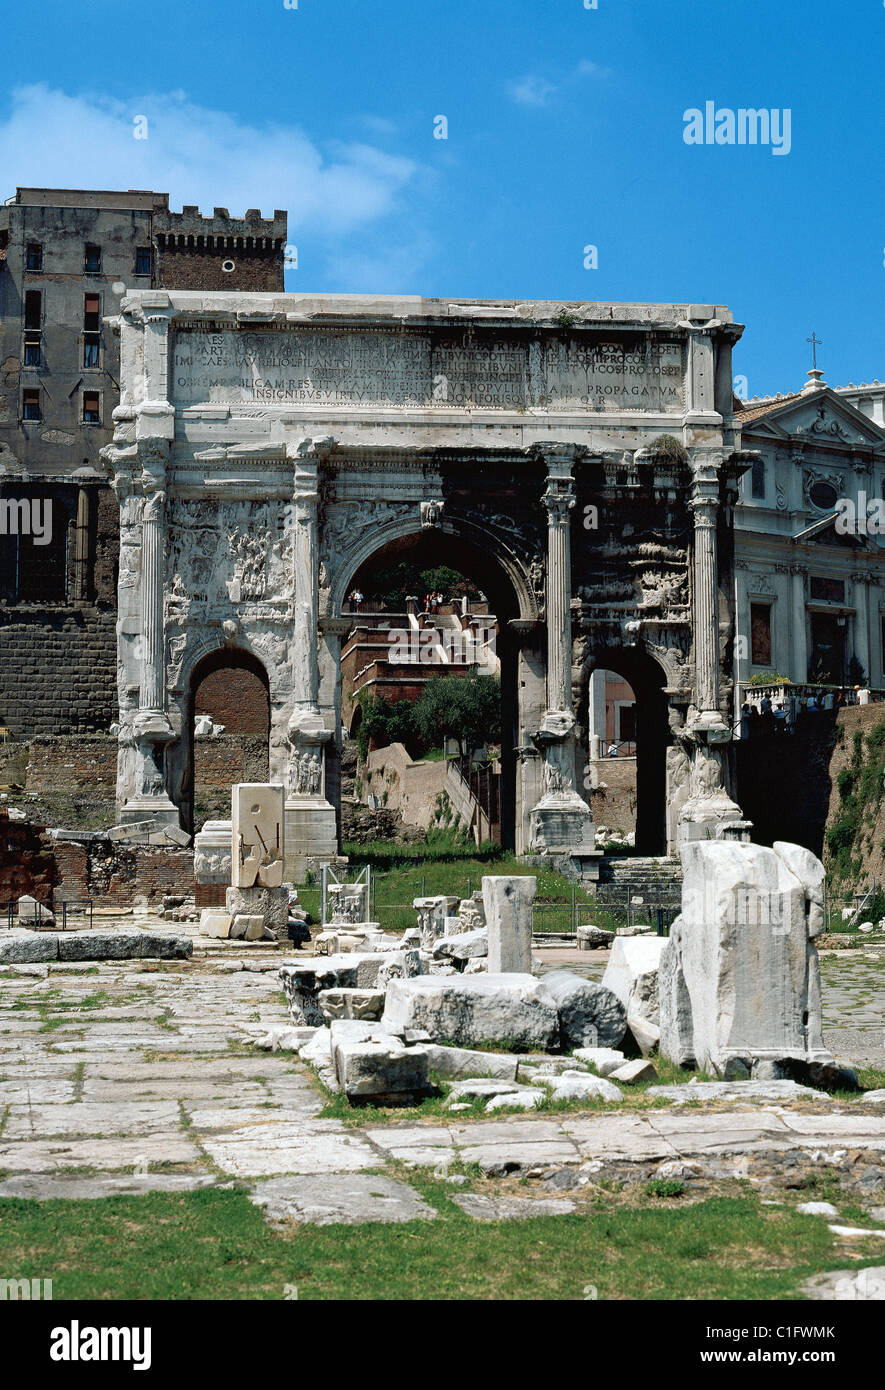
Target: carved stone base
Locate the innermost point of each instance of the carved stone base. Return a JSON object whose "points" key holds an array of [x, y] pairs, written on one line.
{"points": [[712, 818], [270, 903], [560, 823], [159, 808], [311, 834]]}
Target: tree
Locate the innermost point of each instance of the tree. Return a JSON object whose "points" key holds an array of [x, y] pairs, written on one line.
{"points": [[466, 708], [385, 723]]}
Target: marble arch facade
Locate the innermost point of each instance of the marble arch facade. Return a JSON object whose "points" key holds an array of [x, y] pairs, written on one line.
{"points": [[266, 445]]}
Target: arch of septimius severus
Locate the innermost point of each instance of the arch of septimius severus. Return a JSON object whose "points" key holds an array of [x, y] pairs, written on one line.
{"points": [[267, 446]]}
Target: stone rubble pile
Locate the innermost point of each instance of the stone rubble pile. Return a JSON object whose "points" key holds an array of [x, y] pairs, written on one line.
{"points": [[735, 989]]}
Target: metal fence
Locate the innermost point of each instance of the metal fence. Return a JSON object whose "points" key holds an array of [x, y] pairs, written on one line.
{"points": [[62, 917], [626, 905]]}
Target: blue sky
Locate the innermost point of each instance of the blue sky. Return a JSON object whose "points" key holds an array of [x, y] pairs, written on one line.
{"points": [[565, 129]]}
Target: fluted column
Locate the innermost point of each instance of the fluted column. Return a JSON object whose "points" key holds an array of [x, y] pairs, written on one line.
{"points": [[311, 829], [561, 821], [706, 601], [559, 500], [152, 574], [709, 811], [305, 673]]}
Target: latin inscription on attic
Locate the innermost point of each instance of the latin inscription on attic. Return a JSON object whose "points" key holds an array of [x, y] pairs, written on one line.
{"points": [[323, 368]]}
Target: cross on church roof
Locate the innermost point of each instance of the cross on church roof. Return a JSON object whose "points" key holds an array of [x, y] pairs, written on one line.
{"points": [[815, 344]]}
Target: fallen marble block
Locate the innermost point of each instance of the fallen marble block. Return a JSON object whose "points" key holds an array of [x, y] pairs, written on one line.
{"points": [[604, 1059], [34, 913], [249, 927], [645, 1034], [631, 1073], [634, 959], [479, 1086], [457, 1062], [122, 945], [576, 1085], [215, 922], [372, 1065], [511, 1009], [282, 1039], [589, 1014], [465, 946], [594, 938], [528, 1099], [363, 1004], [732, 1090]]}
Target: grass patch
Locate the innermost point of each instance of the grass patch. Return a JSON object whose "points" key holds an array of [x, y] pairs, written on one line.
{"points": [[215, 1244]]}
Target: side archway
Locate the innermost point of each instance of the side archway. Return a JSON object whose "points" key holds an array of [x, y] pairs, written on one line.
{"points": [[647, 680], [231, 685]]}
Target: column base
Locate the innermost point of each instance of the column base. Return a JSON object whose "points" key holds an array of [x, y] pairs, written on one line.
{"points": [[311, 834], [142, 808], [561, 823], [712, 818]]}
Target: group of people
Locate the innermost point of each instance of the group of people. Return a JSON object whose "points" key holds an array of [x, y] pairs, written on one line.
{"points": [[355, 599], [433, 603], [768, 718]]}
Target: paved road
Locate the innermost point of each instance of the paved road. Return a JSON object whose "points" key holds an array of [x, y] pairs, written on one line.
{"points": [[134, 1076]]}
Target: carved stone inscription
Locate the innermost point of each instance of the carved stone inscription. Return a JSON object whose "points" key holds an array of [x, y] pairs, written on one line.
{"points": [[326, 367]]}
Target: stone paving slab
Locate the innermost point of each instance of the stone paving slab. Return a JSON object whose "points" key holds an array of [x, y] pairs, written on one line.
{"points": [[348, 1198], [629, 1137], [234, 1118], [35, 1091], [512, 1208], [128, 1117], [300, 1147], [47, 1188], [865, 1131], [745, 1133], [231, 1092], [49, 1156]]}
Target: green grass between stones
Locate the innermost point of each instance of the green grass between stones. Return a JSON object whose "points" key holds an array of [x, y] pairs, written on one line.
{"points": [[215, 1244]]}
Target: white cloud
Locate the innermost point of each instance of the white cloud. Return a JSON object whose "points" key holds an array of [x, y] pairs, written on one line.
{"points": [[532, 91], [197, 155]]}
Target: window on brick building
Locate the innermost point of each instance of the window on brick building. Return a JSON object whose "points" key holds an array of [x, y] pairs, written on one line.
{"points": [[33, 309], [91, 349], [91, 408], [91, 313], [33, 349], [142, 260], [34, 256], [31, 405], [92, 261]]}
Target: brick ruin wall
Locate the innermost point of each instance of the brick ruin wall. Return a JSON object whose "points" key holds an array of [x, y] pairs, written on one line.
{"points": [[56, 871], [58, 670]]}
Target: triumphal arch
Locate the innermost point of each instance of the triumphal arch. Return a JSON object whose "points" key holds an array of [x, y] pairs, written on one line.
{"points": [[579, 460]]}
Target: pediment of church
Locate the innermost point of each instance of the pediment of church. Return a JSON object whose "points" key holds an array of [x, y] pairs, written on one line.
{"points": [[818, 417]]}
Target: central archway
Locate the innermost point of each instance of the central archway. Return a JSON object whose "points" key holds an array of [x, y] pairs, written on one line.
{"points": [[652, 735], [438, 547]]}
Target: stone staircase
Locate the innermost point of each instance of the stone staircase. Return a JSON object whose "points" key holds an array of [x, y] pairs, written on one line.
{"points": [[656, 881]]}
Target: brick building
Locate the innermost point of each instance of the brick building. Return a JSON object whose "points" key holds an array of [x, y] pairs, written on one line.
{"points": [[66, 258]]}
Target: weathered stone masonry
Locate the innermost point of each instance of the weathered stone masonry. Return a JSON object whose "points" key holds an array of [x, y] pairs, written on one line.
{"points": [[268, 446]]}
